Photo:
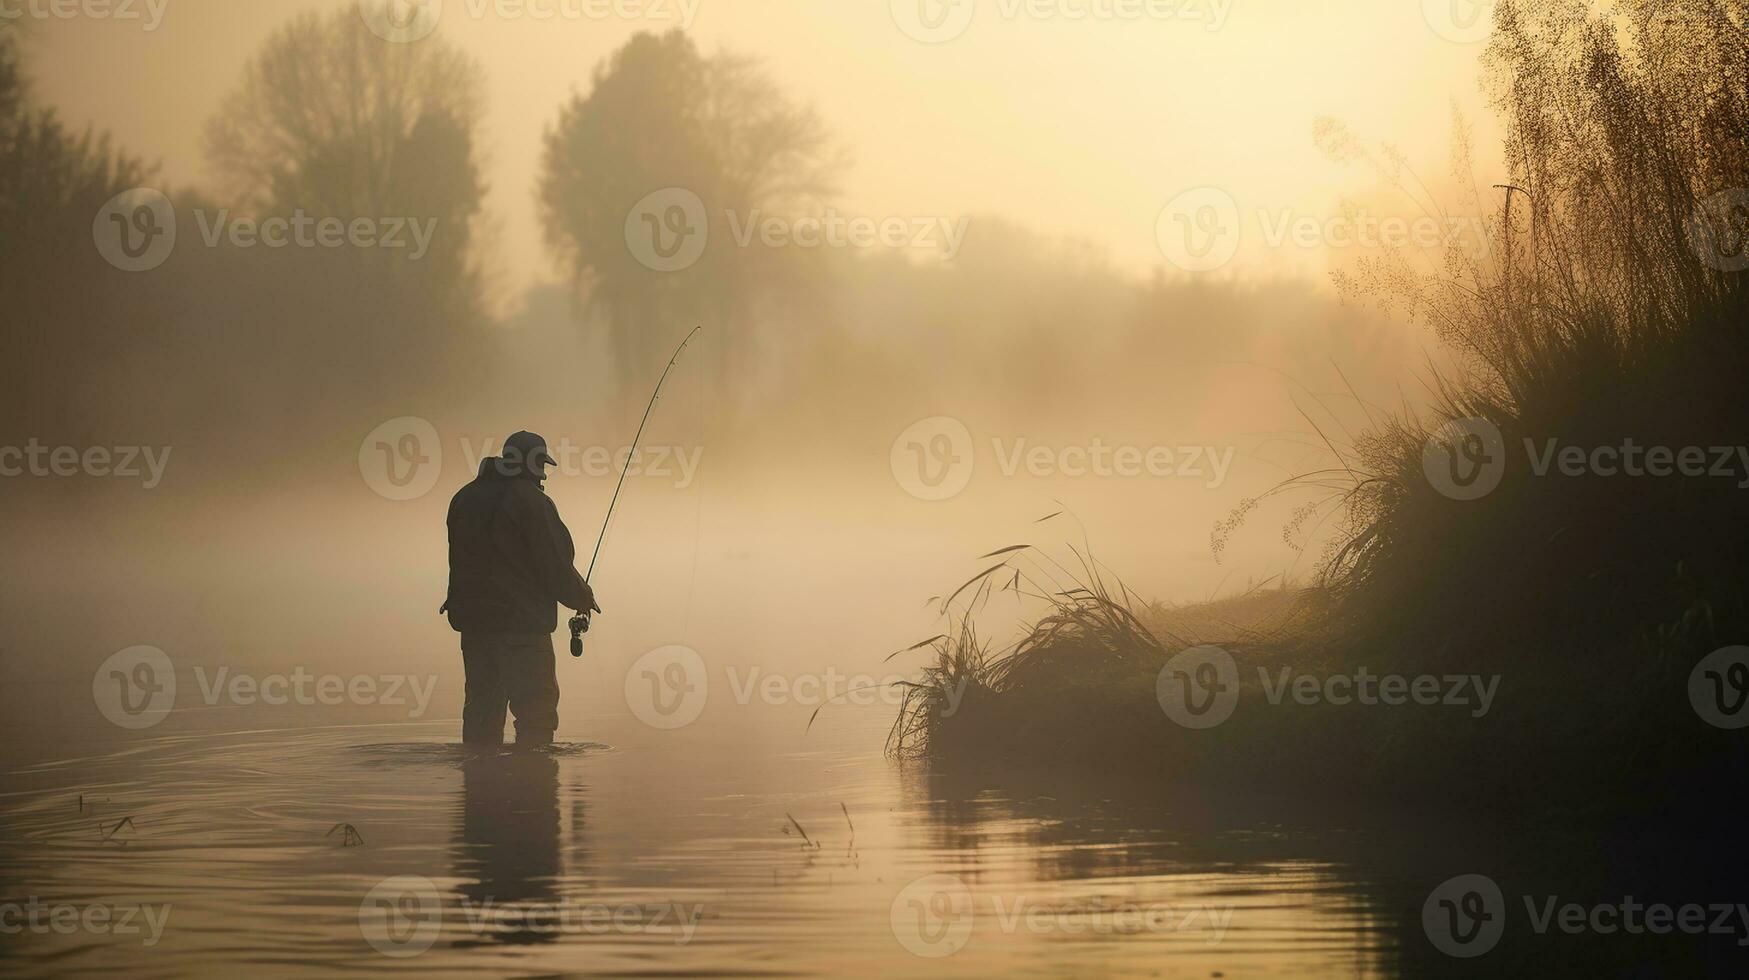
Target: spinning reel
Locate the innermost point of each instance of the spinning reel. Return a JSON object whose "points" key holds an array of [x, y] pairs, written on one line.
{"points": [[579, 626]]}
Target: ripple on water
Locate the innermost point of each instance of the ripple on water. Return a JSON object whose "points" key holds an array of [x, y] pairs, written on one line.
{"points": [[269, 847]]}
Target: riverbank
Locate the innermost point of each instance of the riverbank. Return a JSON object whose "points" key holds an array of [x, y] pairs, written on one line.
{"points": [[1265, 694]]}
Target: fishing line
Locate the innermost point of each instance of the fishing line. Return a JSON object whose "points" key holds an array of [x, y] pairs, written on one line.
{"points": [[698, 507]]}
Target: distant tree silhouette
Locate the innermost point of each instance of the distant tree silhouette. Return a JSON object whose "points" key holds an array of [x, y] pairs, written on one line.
{"points": [[660, 115], [52, 183], [334, 121]]}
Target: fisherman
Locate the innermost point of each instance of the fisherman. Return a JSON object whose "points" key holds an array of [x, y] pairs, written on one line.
{"points": [[510, 562]]}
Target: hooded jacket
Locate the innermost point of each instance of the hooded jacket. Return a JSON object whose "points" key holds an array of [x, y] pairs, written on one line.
{"points": [[511, 558]]}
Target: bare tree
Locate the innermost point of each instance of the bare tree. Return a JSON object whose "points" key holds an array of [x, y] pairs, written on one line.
{"points": [[333, 120]]}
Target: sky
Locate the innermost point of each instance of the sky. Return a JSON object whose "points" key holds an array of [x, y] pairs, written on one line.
{"points": [[1077, 118]]}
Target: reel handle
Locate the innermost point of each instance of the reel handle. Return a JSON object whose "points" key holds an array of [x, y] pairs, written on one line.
{"points": [[579, 625]]}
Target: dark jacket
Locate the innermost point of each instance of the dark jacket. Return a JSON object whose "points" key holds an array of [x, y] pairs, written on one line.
{"points": [[510, 556]]}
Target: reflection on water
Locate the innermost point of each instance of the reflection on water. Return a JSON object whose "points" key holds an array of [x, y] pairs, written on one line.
{"points": [[587, 859], [508, 846]]}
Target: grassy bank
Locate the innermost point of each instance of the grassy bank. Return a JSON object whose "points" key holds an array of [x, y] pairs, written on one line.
{"points": [[1605, 309], [1477, 721]]}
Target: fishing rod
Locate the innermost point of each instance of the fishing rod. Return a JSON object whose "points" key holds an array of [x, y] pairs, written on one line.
{"points": [[580, 622]]}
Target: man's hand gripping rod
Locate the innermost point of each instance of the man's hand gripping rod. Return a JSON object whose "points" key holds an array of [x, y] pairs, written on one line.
{"points": [[580, 622]]}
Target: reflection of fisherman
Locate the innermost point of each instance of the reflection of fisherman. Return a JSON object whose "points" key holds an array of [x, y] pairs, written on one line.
{"points": [[510, 561], [508, 849]]}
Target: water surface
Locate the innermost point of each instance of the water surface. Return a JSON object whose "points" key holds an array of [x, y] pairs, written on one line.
{"points": [[270, 851]]}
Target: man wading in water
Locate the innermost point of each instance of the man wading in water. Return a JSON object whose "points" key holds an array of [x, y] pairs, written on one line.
{"points": [[510, 563]]}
